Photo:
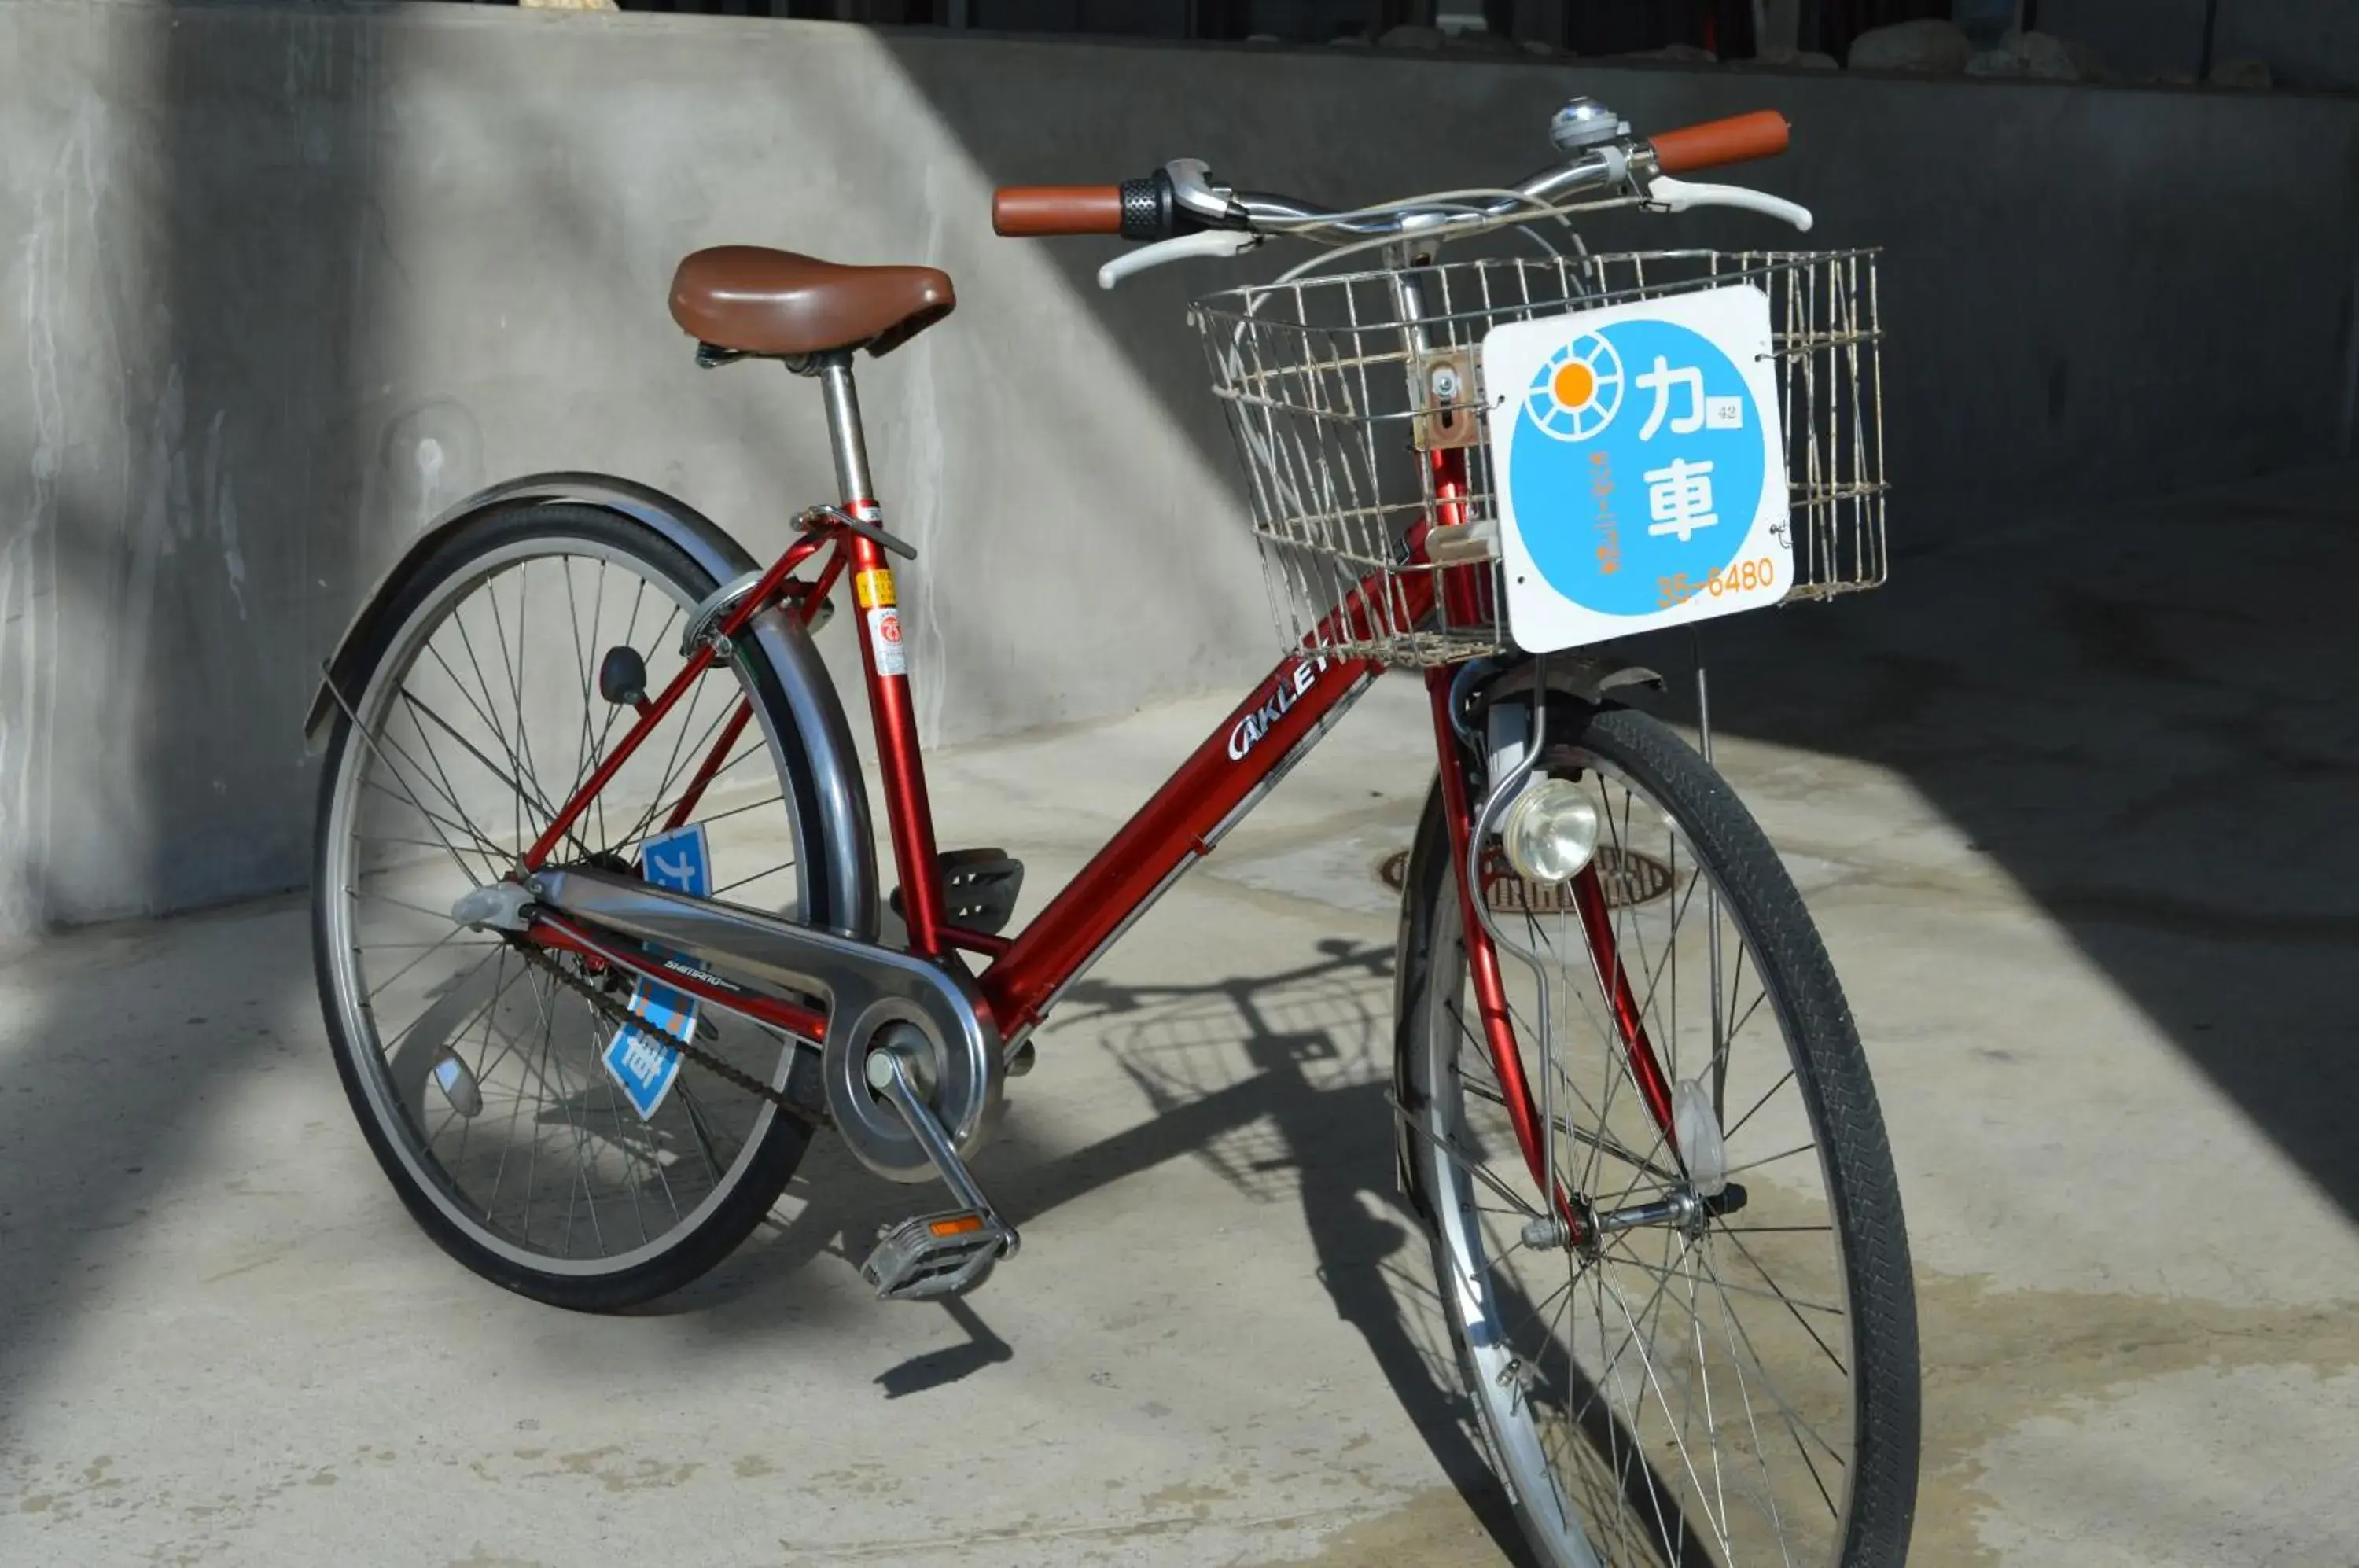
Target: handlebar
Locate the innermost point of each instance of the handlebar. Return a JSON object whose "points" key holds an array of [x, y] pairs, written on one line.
{"points": [[1179, 205], [1148, 209], [1026, 212], [1737, 139]]}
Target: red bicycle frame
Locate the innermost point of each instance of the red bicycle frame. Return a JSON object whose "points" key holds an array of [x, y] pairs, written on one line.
{"points": [[1220, 781]]}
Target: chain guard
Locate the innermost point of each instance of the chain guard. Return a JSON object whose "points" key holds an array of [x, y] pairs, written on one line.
{"points": [[868, 990]]}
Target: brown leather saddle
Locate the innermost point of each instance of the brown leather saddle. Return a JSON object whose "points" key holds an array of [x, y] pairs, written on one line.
{"points": [[746, 300]]}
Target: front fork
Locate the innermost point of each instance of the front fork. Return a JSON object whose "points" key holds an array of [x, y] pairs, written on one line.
{"points": [[1497, 1019]]}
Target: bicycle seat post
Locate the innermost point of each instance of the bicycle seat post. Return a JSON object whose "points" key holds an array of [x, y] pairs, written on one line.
{"points": [[845, 436], [898, 759]]}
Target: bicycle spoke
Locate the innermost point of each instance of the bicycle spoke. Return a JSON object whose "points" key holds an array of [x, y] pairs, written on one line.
{"points": [[1607, 1146], [698, 1126], [482, 845], [1791, 1305], [515, 673], [1796, 1426], [1724, 1036], [757, 877], [398, 838], [483, 848], [1655, 1270], [440, 916], [458, 622], [1771, 1159], [739, 811], [446, 942], [1654, 1382], [681, 758], [498, 735], [1702, 1385], [1471, 1167], [456, 932], [517, 787], [1783, 1079]]}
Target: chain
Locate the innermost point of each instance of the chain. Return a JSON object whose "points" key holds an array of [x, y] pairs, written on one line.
{"points": [[602, 1004]]}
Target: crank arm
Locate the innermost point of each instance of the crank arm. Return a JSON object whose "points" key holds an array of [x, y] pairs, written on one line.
{"points": [[866, 987], [888, 1074]]}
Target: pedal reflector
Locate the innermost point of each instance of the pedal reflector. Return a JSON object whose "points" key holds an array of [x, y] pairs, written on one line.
{"points": [[936, 1255]]}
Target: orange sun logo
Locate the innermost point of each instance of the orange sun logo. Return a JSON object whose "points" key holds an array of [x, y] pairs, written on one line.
{"points": [[1578, 390]]}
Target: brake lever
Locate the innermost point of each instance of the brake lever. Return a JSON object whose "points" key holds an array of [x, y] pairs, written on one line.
{"points": [[1667, 195], [1210, 241]]}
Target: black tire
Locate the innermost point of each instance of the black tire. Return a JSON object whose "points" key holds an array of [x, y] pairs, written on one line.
{"points": [[768, 1143], [1870, 1529]]}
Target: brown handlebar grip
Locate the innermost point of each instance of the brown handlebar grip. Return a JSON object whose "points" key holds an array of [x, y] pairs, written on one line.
{"points": [[1762, 134], [1031, 211]]}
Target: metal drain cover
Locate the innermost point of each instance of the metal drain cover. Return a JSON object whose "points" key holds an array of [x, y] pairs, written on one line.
{"points": [[1629, 878]]}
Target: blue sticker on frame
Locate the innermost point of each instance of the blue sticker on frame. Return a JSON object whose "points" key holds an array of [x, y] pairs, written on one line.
{"points": [[643, 1060]]}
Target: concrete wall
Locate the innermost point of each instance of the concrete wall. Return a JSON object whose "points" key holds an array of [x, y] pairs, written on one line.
{"points": [[2134, 37], [280, 286], [2306, 43]]}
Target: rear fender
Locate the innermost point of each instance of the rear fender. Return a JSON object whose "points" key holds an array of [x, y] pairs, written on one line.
{"points": [[841, 846]]}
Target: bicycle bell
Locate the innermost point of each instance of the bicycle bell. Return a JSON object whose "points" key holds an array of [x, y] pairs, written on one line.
{"points": [[1584, 123]]}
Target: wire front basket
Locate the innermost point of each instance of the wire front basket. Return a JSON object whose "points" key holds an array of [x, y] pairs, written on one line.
{"points": [[1357, 407]]}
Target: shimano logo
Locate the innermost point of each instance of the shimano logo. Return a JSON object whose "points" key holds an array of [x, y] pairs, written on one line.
{"points": [[1289, 689], [677, 967]]}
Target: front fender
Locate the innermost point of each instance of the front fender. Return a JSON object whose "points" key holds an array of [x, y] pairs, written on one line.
{"points": [[842, 846], [1596, 676]]}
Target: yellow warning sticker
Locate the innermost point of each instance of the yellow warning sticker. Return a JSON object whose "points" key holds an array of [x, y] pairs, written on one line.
{"points": [[873, 589]]}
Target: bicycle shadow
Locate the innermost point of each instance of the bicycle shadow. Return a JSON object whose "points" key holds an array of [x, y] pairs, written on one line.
{"points": [[1322, 1110], [1309, 1116], [1279, 1082]]}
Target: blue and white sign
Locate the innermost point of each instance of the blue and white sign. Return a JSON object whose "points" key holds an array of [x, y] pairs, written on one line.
{"points": [[1640, 464], [643, 1060]]}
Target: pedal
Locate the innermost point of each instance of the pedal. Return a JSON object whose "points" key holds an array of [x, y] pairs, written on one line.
{"points": [[933, 1255], [936, 1255], [979, 888]]}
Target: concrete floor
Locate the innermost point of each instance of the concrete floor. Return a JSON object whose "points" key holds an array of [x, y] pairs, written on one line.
{"points": [[2071, 804]]}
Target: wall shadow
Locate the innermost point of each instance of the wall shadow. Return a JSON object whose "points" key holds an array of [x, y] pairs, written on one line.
{"points": [[208, 268], [2074, 396], [2146, 714], [122, 1049], [2141, 711]]}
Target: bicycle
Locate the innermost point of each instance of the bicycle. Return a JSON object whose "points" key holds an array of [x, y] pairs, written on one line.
{"points": [[599, 956]]}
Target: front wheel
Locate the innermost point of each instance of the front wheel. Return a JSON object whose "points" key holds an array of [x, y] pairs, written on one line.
{"points": [[1678, 1356]]}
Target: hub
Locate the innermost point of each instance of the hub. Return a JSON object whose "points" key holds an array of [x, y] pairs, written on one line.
{"points": [[1681, 1208]]}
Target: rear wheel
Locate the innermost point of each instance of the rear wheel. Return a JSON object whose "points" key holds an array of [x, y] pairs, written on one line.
{"points": [[473, 1059], [1716, 1360]]}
